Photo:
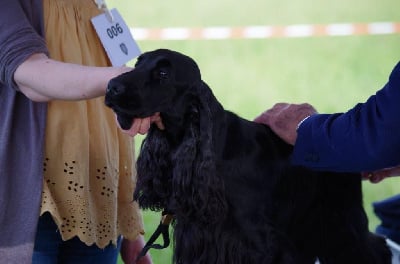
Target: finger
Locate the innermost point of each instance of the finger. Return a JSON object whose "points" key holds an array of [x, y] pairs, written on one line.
{"points": [[276, 109], [395, 171], [156, 119], [133, 130], [305, 108], [279, 106], [375, 178], [366, 175], [268, 117], [263, 118], [159, 124], [260, 119], [144, 125]]}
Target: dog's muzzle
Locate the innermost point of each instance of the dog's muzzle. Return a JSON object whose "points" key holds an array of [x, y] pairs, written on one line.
{"points": [[114, 94]]}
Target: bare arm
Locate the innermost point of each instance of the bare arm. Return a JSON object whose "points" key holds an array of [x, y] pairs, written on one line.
{"points": [[44, 79]]}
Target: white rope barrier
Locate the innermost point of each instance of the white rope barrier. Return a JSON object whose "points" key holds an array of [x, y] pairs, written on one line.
{"points": [[263, 32]]}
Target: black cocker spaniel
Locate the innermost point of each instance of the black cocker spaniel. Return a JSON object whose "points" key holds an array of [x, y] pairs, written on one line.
{"points": [[228, 182]]}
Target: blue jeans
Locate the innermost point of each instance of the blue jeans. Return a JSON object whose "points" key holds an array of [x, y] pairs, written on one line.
{"points": [[51, 249]]}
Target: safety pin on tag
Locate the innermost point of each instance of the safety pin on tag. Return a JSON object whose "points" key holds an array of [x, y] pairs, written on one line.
{"points": [[101, 4]]}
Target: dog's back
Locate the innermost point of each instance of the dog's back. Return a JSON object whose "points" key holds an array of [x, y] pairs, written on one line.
{"points": [[309, 214]]}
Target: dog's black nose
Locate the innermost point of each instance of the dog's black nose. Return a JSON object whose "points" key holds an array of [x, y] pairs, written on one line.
{"points": [[115, 89]]}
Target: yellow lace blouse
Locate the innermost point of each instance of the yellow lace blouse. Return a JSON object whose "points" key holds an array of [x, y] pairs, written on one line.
{"points": [[89, 174]]}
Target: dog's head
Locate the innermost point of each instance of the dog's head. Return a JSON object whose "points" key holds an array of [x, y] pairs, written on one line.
{"points": [[152, 86], [176, 166]]}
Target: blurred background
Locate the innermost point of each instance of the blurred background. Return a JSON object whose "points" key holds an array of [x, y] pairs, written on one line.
{"points": [[248, 76]]}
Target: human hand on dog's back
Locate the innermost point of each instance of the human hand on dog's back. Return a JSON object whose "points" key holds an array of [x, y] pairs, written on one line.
{"points": [[43, 79], [363, 138], [284, 119]]}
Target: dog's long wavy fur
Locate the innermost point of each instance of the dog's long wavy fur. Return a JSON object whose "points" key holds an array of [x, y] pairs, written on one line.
{"points": [[228, 182]]}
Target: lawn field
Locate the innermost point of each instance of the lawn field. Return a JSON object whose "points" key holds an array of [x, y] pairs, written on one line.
{"points": [[251, 75]]}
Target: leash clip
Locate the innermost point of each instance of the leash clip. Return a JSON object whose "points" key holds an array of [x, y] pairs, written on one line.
{"points": [[166, 219]]}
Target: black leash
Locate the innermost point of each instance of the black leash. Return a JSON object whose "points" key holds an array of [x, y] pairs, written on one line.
{"points": [[162, 229]]}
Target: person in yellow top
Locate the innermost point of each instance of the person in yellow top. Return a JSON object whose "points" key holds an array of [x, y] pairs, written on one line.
{"points": [[87, 164]]}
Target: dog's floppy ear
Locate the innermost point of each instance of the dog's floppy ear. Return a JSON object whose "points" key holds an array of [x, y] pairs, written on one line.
{"points": [[194, 173], [153, 187], [182, 179]]}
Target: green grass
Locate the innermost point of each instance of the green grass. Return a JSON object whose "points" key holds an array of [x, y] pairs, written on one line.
{"points": [[249, 76]]}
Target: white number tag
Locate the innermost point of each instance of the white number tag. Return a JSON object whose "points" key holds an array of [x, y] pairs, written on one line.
{"points": [[116, 38]]}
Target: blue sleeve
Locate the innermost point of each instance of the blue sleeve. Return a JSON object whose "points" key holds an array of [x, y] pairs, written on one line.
{"points": [[366, 138]]}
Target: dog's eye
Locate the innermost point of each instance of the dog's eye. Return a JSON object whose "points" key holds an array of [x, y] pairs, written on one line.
{"points": [[163, 74]]}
